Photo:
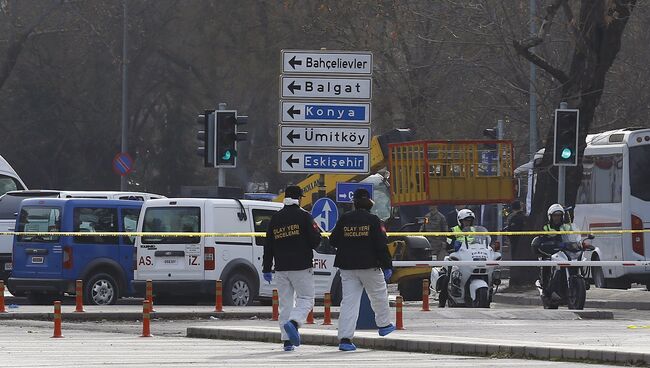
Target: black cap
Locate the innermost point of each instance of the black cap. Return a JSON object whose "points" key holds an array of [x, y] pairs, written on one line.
{"points": [[361, 193], [293, 191]]}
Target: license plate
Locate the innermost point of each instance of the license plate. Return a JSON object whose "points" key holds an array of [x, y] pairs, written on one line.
{"points": [[9, 266], [37, 259]]}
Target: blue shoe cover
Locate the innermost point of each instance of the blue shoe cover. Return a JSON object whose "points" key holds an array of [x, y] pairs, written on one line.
{"points": [[292, 332], [347, 346], [383, 331], [288, 347]]}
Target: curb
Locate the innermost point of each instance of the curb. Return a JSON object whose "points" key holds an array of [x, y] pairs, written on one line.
{"points": [[602, 304], [448, 346], [137, 316]]}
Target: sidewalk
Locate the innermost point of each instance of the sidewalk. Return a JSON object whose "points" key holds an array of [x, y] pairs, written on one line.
{"points": [[634, 298], [501, 333]]}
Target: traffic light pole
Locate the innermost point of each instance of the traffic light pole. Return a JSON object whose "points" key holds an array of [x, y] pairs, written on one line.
{"points": [[561, 176], [221, 173]]}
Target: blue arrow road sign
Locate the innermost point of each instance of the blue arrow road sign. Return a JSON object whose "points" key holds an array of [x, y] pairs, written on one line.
{"points": [[323, 162], [345, 191], [325, 213], [323, 112]]}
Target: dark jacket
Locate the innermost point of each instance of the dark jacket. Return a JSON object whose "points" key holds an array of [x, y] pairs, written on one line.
{"points": [[290, 238], [360, 241]]}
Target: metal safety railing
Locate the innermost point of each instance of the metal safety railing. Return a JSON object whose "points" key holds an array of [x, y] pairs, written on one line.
{"points": [[451, 172]]}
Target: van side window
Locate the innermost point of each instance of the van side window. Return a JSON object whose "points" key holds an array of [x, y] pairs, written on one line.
{"points": [[39, 219], [261, 219], [7, 183], [130, 223], [94, 220]]}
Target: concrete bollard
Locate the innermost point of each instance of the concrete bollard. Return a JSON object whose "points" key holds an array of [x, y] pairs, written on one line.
{"points": [[218, 303], [79, 297], [425, 295], [399, 323], [57, 319], [274, 303], [146, 319], [327, 315]]}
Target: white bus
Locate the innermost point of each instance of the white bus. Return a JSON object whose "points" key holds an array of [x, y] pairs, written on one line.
{"points": [[615, 194]]}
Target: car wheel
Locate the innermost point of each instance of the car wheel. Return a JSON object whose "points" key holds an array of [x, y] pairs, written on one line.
{"points": [[101, 289], [239, 291]]}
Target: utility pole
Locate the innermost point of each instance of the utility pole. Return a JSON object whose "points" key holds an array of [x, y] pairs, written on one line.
{"points": [[125, 112], [500, 205]]}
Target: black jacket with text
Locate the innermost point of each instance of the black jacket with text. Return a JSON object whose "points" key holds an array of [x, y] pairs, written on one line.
{"points": [[360, 241], [290, 238]]}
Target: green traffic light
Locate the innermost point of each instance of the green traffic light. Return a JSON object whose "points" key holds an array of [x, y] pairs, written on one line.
{"points": [[226, 155], [566, 153]]}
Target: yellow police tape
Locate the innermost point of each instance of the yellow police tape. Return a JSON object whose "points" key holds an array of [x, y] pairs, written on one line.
{"points": [[325, 234]]}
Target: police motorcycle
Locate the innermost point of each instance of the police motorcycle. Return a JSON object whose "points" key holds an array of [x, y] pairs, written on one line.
{"points": [[473, 285], [562, 285]]}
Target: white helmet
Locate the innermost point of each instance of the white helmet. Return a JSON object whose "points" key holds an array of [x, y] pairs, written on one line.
{"points": [[464, 214], [553, 209]]}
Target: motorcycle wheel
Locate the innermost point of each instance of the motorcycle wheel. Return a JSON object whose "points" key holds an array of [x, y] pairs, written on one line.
{"points": [[482, 298], [577, 293]]}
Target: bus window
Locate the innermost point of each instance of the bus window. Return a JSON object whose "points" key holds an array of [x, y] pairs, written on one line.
{"points": [[640, 172], [602, 179]]}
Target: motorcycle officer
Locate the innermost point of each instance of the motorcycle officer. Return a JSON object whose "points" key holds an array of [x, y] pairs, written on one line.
{"points": [[465, 219], [555, 214]]}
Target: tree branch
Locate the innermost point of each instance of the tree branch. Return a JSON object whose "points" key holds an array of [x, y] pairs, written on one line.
{"points": [[523, 47]]}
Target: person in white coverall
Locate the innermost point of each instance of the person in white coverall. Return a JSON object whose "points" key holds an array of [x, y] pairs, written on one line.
{"points": [[290, 238], [364, 262]]}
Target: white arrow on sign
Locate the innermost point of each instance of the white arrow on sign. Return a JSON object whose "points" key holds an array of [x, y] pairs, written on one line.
{"points": [[324, 112], [326, 62], [326, 88], [323, 162], [297, 136]]}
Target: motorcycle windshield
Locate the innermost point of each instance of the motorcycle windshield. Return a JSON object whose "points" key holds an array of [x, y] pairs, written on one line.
{"points": [[571, 238], [476, 237]]}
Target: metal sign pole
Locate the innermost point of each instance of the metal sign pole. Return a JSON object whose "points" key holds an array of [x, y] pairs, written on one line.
{"points": [[561, 177], [498, 159], [221, 173]]}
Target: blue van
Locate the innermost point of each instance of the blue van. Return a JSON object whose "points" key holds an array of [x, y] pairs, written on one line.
{"points": [[45, 267]]}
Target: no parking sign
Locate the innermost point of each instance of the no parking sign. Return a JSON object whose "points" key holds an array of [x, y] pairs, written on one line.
{"points": [[122, 164]]}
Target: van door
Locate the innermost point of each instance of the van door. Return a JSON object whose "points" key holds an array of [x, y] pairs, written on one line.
{"points": [[128, 223], [39, 256], [227, 249], [171, 257], [261, 218]]}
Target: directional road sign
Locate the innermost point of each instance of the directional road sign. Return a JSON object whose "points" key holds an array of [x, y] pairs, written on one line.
{"points": [[326, 62], [297, 136], [324, 162], [345, 191], [333, 88], [324, 112], [325, 214]]}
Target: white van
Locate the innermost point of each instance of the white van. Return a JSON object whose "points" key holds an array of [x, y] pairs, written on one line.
{"points": [[189, 266], [10, 202]]}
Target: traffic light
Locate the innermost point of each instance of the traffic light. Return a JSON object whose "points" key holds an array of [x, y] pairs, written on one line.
{"points": [[206, 137], [565, 151], [227, 137]]}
